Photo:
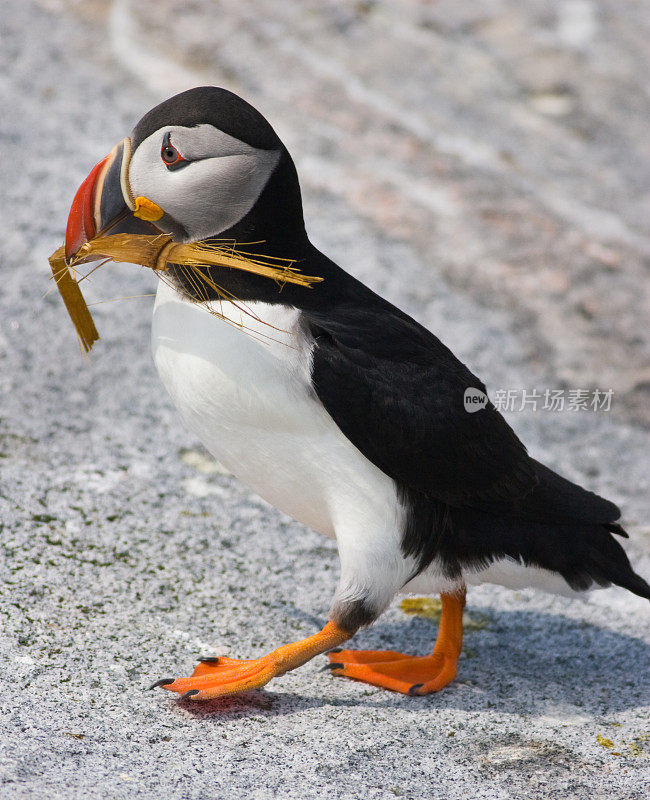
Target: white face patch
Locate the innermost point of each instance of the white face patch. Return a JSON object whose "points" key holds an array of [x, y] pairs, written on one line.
{"points": [[213, 192]]}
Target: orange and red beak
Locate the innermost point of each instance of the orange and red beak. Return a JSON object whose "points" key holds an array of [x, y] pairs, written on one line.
{"points": [[82, 221], [104, 203]]}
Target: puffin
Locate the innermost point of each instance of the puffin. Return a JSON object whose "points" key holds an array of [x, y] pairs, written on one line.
{"points": [[334, 405]]}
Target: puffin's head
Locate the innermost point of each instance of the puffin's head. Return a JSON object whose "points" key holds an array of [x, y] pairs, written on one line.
{"points": [[203, 163]]}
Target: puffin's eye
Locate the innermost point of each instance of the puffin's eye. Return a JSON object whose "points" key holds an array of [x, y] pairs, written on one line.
{"points": [[170, 155]]}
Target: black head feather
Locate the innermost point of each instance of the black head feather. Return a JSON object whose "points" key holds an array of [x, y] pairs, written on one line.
{"points": [[210, 105]]}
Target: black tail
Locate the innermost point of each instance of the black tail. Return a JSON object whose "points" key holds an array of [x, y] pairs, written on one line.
{"points": [[634, 583], [559, 526], [607, 559]]}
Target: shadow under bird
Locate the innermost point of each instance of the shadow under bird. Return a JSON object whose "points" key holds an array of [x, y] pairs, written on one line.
{"points": [[334, 405]]}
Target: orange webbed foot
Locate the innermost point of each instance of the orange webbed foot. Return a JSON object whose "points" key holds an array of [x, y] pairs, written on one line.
{"points": [[413, 675], [219, 677]]}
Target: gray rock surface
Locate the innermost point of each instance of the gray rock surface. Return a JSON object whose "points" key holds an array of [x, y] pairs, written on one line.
{"points": [[483, 165]]}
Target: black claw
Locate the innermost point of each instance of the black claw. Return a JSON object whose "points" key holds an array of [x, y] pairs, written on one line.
{"points": [[162, 682], [337, 650], [333, 666], [210, 660], [413, 690], [191, 693]]}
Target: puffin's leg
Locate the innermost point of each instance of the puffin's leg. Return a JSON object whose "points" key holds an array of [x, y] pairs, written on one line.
{"points": [[372, 571], [413, 675], [224, 676]]}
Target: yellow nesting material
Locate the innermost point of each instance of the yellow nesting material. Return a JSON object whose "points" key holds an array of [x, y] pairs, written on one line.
{"points": [[74, 300], [158, 253]]}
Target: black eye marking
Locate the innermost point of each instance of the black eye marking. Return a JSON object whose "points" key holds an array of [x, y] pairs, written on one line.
{"points": [[170, 155]]}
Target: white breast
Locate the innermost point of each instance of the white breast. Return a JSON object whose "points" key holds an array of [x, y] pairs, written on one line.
{"points": [[242, 386]]}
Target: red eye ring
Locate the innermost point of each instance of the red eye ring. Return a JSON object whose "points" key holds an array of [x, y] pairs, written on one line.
{"points": [[170, 155]]}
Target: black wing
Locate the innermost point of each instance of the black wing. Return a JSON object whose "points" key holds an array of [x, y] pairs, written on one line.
{"points": [[397, 393]]}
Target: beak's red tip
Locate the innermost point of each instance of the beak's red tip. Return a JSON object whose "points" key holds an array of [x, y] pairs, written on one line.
{"points": [[81, 220]]}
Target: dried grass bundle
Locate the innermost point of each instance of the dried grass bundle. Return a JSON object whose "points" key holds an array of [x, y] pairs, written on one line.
{"points": [[158, 252], [74, 300]]}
